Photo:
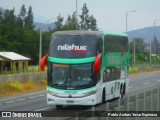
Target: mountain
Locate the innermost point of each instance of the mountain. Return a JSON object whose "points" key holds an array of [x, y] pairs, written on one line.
{"points": [[2, 10], [146, 33], [45, 27]]}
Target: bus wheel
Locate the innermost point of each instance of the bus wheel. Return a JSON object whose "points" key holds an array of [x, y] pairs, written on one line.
{"points": [[59, 106], [121, 91], [103, 97], [124, 89]]}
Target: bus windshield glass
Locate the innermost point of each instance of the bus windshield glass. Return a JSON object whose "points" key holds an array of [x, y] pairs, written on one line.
{"points": [[70, 76], [73, 46]]}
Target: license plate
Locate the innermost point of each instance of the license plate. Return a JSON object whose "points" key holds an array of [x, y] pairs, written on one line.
{"points": [[70, 101]]}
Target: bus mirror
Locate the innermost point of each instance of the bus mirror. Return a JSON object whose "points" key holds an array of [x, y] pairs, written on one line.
{"points": [[97, 62], [42, 62], [122, 53]]}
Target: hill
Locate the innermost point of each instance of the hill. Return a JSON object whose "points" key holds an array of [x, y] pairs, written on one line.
{"points": [[146, 33], [45, 27], [2, 10]]}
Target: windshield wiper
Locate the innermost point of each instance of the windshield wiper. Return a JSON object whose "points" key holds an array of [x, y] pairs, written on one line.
{"points": [[83, 85], [57, 85]]}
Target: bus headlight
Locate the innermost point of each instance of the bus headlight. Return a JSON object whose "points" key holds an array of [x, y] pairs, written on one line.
{"points": [[51, 93], [90, 93]]}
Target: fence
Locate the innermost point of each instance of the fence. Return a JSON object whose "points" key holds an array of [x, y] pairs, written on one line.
{"points": [[146, 66], [23, 77], [142, 104]]}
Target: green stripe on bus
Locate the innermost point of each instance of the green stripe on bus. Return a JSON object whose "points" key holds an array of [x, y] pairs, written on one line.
{"points": [[70, 91], [71, 61], [115, 34]]}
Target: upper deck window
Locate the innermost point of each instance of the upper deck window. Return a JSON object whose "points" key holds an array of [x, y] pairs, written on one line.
{"points": [[115, 43]]}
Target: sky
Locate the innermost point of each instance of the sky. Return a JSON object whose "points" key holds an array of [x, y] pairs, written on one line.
{"points": [[110, 14]]}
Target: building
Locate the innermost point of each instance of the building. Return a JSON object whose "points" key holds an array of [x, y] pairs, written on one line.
{"points": [[13, 62]]}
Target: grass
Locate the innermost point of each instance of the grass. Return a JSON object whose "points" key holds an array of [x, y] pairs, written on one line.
{"points": [[133, 69], [16, 87]]}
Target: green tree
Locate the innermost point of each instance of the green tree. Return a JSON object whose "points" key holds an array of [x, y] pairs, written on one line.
{"points": [[9, 17], [139, 46], [87, 22], [22, 16], [93, 23], [1, 16], [84, 23], [71, 22], [59, 22], [74, 21], [29, 19], [155, 46]]}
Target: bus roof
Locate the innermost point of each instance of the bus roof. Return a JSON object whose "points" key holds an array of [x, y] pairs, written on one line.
{"points": [[77, 32], [115, 34], [88, 32]]}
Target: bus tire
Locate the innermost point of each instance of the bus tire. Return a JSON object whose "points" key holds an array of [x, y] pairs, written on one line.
{"points": [[59, 106], [121, 91], [124, 89], [103, 96]]}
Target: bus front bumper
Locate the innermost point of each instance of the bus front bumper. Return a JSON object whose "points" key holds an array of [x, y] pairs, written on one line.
{"points": [[88, 100]]}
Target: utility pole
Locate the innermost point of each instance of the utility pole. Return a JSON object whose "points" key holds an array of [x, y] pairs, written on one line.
{"points": [[40, 40], [76, 15], [127, 32], [154, 36]]}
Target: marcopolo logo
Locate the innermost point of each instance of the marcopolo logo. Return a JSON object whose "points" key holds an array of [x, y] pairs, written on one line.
{"points": [[73, 48]]}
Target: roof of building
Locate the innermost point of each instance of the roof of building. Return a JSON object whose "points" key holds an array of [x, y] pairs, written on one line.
{"points": [[13, 56]]}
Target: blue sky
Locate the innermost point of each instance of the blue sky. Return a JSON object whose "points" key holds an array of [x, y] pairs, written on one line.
{"points": [[110, 14]]}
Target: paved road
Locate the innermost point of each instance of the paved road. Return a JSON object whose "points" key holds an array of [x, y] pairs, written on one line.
{"points": [[37, 101]]}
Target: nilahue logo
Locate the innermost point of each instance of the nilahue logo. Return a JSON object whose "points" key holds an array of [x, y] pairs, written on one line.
{"points": [[73, 48]]}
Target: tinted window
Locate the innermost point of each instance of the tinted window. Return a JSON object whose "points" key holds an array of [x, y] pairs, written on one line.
{"points": [[75, 76], [112, 73], [99, 44], [73, 46], [115, 43]]}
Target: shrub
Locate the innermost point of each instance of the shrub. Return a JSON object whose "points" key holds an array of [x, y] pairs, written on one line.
{"points": [[43, 81], [15, 85], [133, 69], [148, 68]]}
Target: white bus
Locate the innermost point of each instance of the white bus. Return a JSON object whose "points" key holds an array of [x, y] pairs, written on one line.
{"points": [[86, 67]]}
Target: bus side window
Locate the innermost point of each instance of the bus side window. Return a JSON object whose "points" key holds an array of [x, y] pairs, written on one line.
{"points": [[96, 76], [112, 73], [99, 44]]}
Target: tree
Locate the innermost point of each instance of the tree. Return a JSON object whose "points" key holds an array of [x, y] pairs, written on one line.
{"points": [[84, 23], [22, 16], [74, 21], [59, 22], [71, 22], [9, 17], [93, 23], [87, 22], [1, 16], [29, 19], [139, 46], [155, 46]]}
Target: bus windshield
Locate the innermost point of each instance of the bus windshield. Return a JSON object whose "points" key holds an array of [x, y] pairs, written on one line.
{"points": [[71, 76], [73, 46]]}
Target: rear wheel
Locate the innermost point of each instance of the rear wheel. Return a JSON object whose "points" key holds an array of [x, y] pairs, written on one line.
{"points": [[121, 91], [124, 89], [103, 97]]}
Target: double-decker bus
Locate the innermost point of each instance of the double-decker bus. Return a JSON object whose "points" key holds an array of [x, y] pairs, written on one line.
{"points": [[86, 67]]}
